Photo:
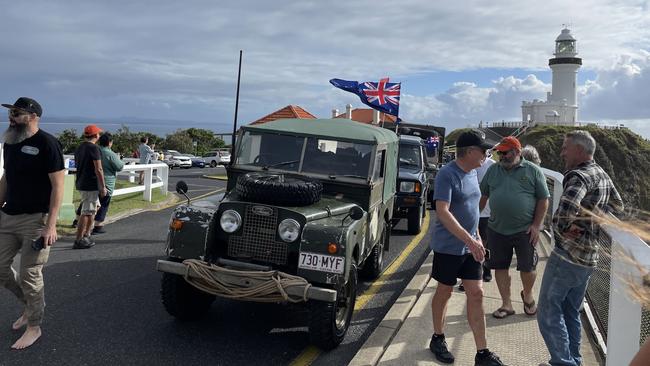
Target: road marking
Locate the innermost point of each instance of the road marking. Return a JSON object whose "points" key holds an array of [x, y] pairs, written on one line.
{"points": [[363, 299], [311, 353], [192, 198], [306, 357]]}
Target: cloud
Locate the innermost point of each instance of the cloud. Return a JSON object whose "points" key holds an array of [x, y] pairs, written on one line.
{"points": [[620, 92], [178, 60], [467, 103]]}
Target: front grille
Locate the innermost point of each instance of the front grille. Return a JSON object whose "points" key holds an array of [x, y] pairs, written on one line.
{"points": [[257, 241]]}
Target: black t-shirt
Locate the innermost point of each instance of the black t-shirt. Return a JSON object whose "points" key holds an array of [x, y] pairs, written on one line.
{"points": [[86, 153], [27, 165]]}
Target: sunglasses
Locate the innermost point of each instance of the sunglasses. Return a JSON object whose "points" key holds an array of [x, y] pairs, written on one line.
{"points": [[17, 113], [501, 153]]}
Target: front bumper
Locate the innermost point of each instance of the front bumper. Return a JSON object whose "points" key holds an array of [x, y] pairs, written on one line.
{"points": [[403, 203], [237, 278]]}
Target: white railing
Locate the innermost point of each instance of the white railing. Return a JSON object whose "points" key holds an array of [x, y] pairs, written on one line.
{"points": [[156, 175], [624, 315]]}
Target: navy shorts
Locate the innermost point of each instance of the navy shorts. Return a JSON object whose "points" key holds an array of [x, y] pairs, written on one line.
{"points": [[448, 267], [501, 248]]}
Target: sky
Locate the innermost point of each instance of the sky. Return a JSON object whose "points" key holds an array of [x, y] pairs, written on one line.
{"points": [[174, 63]]}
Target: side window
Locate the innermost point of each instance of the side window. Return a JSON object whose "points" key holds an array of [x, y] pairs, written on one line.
{"points": [[378, 171]]}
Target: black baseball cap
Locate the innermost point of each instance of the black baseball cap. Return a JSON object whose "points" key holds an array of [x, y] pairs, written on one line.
{"points": [[27, 105], [472, 138]]}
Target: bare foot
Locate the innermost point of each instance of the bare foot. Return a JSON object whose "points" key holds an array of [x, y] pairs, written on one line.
{"points": [[31, 335], [21, 322]]}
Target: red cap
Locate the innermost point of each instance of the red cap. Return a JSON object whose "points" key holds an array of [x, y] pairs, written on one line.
{"points": [[508, 143], [91, 130]]}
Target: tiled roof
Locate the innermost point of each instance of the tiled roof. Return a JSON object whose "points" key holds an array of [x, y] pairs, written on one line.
{"points": [[290, 111], [364, 115]]}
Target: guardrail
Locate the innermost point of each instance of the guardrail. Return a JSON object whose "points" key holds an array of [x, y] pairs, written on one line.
{"points": [[621, 324]]}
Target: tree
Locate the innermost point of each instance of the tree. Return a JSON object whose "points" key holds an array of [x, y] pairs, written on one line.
{"points": [[125, 141], [179, 140], [69, 140], [205, 140]]}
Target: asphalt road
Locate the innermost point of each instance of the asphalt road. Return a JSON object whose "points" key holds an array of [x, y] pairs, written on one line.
{"points": [[103, 305]]}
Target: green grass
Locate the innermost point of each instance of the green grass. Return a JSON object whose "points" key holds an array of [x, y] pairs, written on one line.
{"points": [[120, 204]]}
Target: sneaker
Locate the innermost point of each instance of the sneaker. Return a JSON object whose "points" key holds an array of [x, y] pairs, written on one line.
{"points": [[489, 359], [438, 346], [83, 243], [74, 223], [98, 230]]}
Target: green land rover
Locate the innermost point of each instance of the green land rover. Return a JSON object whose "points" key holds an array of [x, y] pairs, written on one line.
{"points": [[308, 206]]}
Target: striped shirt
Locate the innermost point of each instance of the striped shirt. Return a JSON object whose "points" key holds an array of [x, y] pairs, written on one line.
{"points": [[588, 192]]}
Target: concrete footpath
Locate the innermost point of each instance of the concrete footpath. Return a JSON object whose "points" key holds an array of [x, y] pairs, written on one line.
{"points": [[403, 336]]}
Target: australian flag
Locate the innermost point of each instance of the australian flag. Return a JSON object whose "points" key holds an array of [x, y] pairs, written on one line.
{"points": [[382, 96]]}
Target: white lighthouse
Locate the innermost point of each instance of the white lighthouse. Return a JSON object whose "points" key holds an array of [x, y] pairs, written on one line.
{"points": [[561, 105]]}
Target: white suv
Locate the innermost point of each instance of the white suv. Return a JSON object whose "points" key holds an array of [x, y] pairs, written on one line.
{"points": [[217, 157]]}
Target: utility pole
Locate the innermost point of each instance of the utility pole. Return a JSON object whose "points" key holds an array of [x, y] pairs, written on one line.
{"points": [[234, 126]]}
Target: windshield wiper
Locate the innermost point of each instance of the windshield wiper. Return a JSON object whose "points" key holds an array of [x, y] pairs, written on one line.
{"points": [[334, 176], [266, 167]]}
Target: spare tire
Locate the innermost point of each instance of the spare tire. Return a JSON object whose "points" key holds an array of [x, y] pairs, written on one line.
{"points": [[278, 189]]}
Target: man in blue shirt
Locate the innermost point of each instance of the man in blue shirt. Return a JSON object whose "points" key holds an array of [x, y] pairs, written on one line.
{"points": [[458, 250]]}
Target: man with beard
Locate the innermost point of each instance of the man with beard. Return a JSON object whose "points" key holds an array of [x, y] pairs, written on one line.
{"points": [[518, 202], [589, 194], [31, 190]]}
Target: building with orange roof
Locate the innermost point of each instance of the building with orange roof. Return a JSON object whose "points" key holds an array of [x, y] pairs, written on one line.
{"points": [[364, 115], [290, 111]]}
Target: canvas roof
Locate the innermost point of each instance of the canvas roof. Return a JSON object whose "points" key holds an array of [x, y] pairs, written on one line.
{"points": [[338, 128]]}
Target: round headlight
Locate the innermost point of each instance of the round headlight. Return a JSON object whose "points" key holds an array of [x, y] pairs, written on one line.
{"points": [[230, 221], [407, 186], [289, 230]]}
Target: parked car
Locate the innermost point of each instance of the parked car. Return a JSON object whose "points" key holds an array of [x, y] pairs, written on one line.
{"points": [[183, 160], [217, 157], [434, 141], [311, 202], [196, 161], [414, 181]]}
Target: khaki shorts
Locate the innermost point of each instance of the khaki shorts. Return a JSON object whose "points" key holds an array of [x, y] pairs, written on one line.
{"points": [[89, 202]]}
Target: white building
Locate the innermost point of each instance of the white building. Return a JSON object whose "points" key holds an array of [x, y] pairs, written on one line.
{"points": [[561, 105]]}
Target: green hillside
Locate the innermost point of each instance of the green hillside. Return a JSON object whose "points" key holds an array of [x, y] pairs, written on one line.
{"points": [[623, 154]]}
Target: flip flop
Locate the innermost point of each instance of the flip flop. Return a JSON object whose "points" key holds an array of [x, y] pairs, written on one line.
{"points": [[530, 308], [501, 313]]}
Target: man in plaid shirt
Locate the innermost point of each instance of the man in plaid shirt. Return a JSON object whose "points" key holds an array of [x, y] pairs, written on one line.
{"points": [[588, 194]]}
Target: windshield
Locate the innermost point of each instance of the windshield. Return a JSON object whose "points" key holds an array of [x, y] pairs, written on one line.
{"points": [[337, 158], [410, 155], [267, 150], [328, 157]]}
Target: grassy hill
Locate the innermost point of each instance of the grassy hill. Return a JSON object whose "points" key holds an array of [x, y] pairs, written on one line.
{"points": [[623, 154]]}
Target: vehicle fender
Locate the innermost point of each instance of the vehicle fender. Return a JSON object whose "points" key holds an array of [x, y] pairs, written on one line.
{"points": [[348, 234], [190, 241]]}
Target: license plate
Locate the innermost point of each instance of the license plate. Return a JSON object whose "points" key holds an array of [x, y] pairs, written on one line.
{"points": [[321, 262]]}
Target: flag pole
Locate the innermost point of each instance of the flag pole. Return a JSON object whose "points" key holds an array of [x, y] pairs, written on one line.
{"points": [[234, 126]]}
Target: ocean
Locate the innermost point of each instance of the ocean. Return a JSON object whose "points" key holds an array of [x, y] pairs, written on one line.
{"points": [[158, 128]]}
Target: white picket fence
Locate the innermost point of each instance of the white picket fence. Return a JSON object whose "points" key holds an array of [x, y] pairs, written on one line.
{"points": [[156, 175]]}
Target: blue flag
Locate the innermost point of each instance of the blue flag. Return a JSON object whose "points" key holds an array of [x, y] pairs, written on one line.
{"points": [[382, 96]]}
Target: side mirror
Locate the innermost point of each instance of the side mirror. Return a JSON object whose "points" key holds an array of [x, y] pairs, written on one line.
{"points": [[181, 187], [356, 213]]}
